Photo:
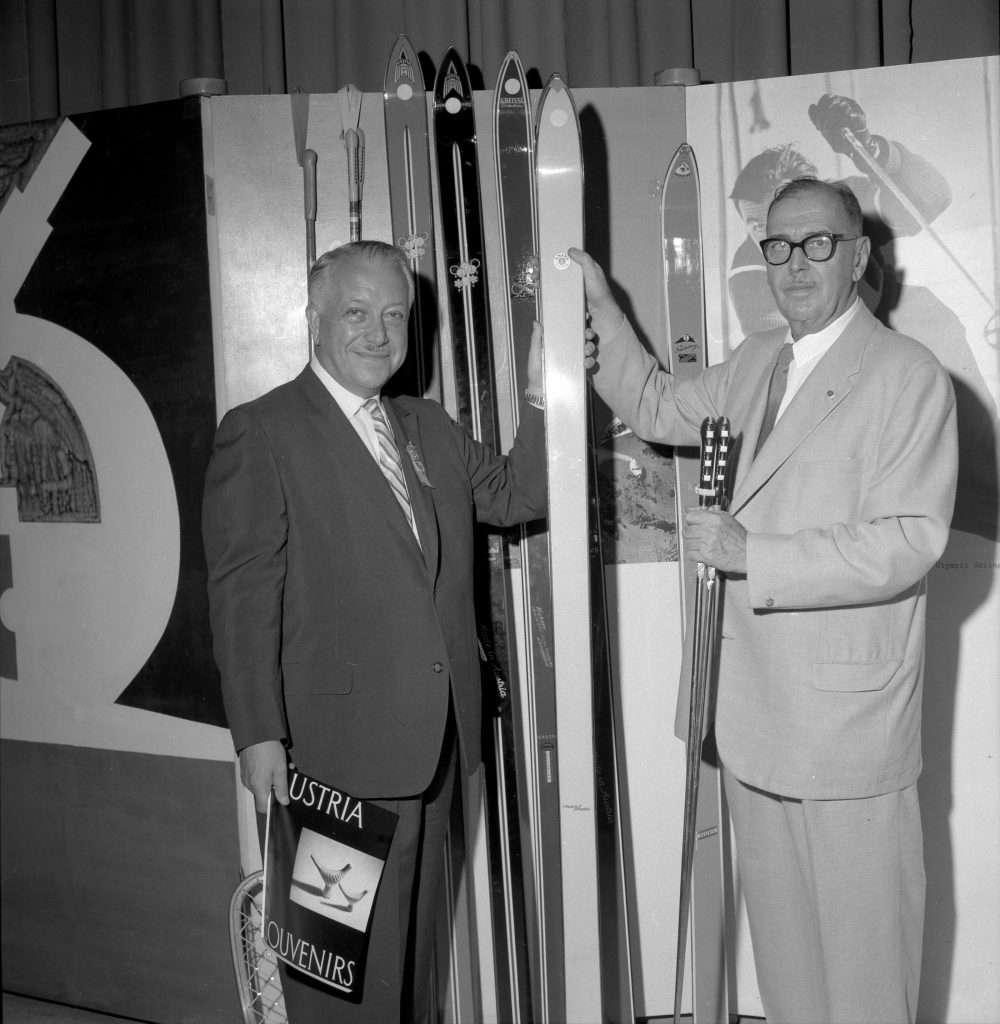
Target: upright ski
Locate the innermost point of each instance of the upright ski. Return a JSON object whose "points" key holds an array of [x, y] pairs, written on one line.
{"points": [[613, 845], [516, 293], [559, 164], [476, 402], [408, 160], [685, 318]]}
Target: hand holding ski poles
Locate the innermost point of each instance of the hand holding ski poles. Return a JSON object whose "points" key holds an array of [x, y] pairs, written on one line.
{"points": [[716, 542], [713, 536]]}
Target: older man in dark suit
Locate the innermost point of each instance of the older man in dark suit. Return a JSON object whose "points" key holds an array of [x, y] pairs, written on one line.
{"points": [[338, 527]]}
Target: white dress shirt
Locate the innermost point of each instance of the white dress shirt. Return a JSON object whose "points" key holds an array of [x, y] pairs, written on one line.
{"points": [[809, 349], [351, 406]]}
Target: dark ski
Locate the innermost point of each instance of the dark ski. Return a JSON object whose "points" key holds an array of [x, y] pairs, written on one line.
{"points": [[517, 296], [469, 327], [408, 161]]}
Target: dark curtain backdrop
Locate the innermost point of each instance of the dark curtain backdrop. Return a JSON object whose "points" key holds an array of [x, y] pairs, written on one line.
{"points": [[70, 56]]}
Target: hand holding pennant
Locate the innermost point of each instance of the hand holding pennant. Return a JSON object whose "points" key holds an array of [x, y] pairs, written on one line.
{"points": [[324, 856]]}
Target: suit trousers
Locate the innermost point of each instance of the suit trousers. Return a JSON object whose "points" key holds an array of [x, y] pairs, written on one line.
{"points": [[834, 891], [400, 959]]}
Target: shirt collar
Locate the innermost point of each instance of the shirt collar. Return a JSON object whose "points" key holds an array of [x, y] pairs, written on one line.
{"points": [[810, 346], [348, 401]]}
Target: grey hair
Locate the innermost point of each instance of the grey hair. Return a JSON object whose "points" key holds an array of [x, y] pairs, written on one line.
{"points": [[372, 251], [841, 192]]}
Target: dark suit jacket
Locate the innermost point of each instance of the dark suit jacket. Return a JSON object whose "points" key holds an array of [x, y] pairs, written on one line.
{"points": [[332, 630]]}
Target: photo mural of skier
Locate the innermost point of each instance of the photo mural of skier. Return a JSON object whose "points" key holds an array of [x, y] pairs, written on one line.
{"points": [[915, 156], [919, 145]]}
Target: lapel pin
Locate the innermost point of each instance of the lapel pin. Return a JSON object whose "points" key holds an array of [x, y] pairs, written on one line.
{"points": [[418, 463]]}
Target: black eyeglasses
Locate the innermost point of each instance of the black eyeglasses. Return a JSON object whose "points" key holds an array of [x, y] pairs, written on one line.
{"points": [[819, 247]]}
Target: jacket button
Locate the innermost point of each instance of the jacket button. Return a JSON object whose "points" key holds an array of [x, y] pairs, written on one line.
{"points": [[437, 666], [769, 602]]}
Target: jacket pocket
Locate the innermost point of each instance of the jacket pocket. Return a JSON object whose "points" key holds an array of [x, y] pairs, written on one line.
{"points": [[854, 677], [302, 678]]}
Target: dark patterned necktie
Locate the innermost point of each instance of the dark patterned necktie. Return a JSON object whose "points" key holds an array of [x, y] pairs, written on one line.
{"points": [[775, 393], [392, 468]]}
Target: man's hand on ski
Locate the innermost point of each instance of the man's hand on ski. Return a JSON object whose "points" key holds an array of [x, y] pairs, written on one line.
{"points": [[589, 347], [605, 316]]}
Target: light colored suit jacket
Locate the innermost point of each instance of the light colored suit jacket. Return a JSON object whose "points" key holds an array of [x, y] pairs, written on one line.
{"points": [[847, 507], [332, 629]]}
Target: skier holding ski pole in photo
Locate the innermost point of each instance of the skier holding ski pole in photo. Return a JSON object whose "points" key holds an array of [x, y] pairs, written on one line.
{"points": [[902, 195], [835, 517]]}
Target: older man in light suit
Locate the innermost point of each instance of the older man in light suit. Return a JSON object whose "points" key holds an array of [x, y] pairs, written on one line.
{"points": [[838, 512], [341, 596]]}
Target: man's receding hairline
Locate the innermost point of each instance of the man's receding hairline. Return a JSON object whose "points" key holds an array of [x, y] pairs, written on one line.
{"points": [[323, 285], [368, 252]]}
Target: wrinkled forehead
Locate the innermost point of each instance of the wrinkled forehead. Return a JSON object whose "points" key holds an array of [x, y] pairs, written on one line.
{"points": [[359, 279], [807, 212]]}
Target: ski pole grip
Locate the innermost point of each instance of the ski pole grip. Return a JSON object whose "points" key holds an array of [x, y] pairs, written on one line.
{"points": [[706, 478], [309, 183], [723, 451]]}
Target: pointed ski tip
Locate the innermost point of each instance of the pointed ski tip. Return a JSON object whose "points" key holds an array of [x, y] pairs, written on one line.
{"points": [[403, 75], [511, 81], [402, 48], [451, 72], [683, 163], [557, 98]]}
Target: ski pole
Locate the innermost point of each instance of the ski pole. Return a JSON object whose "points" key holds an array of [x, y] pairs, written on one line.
{"points": [[307, 161], [354, 141], [890, 186], [715, 447]]}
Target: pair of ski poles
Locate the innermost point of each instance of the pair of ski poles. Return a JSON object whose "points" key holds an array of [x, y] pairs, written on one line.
{"points": [[349, 98], [716, 446]]}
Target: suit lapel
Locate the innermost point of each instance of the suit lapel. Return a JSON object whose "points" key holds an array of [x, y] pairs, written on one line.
{"points": [[824, 389], [758, 376], [350, 451]]}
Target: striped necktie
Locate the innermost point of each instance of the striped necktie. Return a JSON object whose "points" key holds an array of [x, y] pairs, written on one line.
{"points": [[388, 461], [775, 393]]}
